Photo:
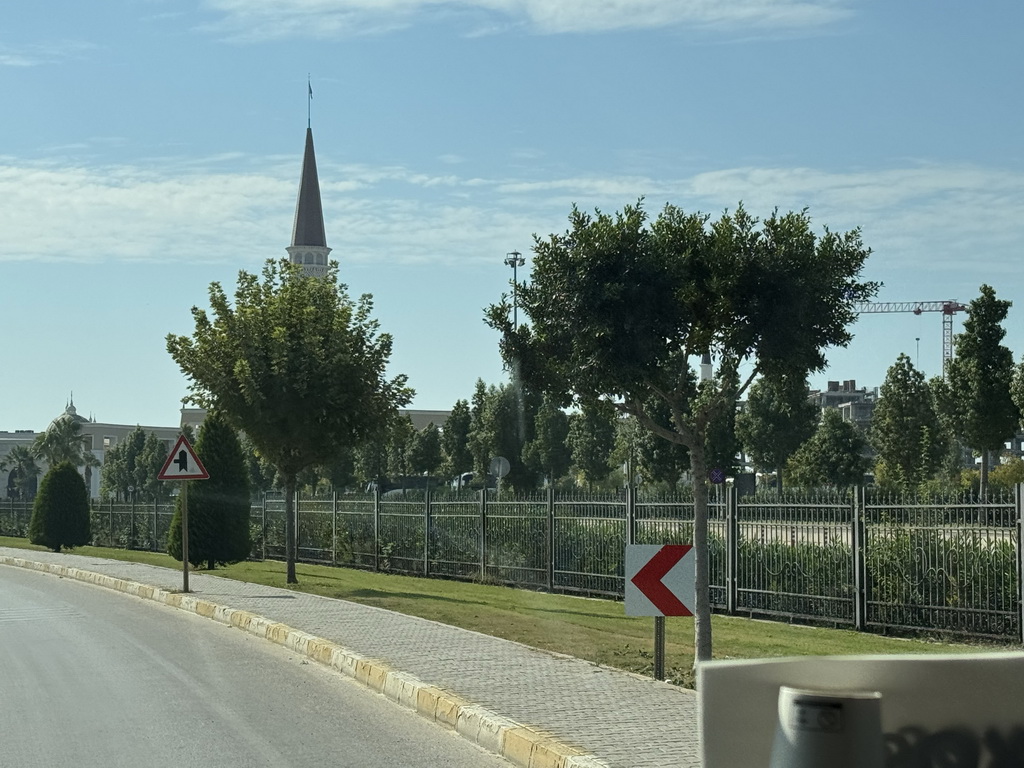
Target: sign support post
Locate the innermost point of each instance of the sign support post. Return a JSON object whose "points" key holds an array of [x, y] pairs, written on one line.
{"points": [[659, 582], [183, 464], [184, 538], [659, 647]]}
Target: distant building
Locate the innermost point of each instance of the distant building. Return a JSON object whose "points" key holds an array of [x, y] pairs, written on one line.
{"points": [[99, 437], [855, 405]]}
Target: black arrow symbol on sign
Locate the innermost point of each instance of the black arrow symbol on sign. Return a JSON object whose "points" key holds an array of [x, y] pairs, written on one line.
{"points": [[182, 460]]}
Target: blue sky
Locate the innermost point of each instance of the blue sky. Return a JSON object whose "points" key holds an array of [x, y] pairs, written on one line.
{"points": [[150, 147]]}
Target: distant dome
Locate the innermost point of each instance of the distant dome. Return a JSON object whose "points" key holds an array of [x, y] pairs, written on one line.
{"points": [[70, 414]]}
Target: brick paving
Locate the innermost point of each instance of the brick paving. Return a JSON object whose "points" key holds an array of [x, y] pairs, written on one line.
{"points": [[620, 719]]}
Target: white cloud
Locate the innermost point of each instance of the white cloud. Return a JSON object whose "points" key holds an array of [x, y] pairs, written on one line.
{"points": [[37, 54], [263, 19], [925, 216]]}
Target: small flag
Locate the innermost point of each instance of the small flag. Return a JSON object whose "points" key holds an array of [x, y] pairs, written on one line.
{"points": [[310, 85]]}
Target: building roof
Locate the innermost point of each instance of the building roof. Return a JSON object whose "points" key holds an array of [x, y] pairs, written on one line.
{"points": [[309, 214]]}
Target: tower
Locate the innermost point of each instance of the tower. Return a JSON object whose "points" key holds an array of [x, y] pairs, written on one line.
{"points": [[309, 243]]}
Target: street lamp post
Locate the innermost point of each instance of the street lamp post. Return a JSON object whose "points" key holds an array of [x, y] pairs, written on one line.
{"points": [[515, 260]]}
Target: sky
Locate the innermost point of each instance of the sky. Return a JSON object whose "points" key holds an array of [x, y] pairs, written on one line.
{"points": [[151, 147]]}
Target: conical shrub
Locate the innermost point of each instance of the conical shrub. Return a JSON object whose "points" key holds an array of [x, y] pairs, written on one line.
{"points": [[60, 515]]}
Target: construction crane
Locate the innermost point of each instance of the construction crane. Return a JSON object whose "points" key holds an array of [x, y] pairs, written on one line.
{"points": [[947, 308]]}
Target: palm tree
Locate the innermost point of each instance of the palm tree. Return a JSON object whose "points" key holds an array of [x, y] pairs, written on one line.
{"points": [[22, 464], [63, 441]]}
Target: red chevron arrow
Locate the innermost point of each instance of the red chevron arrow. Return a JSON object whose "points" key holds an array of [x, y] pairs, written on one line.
{"points": [[648, 580]]}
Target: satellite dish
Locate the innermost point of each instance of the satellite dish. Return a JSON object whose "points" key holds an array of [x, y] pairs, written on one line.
{"points": [[499, 466]]}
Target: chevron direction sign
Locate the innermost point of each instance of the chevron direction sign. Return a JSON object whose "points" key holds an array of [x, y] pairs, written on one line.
{"points": [[660, 580]]}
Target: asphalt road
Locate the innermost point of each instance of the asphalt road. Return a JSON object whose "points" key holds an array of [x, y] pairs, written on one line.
{"points": [[91, 678]]}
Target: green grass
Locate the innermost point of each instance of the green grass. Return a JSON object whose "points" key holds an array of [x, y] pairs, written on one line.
{"points": [[595, 630]]}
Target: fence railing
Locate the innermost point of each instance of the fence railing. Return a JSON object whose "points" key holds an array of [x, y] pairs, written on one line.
{"points": [[860, 561]]}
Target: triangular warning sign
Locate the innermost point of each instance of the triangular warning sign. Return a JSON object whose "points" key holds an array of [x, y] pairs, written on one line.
{"points": [[183, 464]]}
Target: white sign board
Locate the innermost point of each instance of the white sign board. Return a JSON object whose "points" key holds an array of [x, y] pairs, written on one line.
{"points": [[660, 580], [183, 464]]}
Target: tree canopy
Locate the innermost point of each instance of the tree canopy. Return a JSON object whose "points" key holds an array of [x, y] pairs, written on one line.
{"points": [[976, 394], [295, 364], [620, 308], [833, 456], [905, 429], [779, 417]]}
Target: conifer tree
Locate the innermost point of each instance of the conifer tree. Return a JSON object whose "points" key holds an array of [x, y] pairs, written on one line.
{"points": [[905, 430], [60, 515], [218, 508], [976, 395]]}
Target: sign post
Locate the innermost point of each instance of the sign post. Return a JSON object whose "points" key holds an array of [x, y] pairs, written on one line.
{"points": [[660, 582], [183, 464]]}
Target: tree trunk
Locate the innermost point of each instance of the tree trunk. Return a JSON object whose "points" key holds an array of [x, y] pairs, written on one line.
{"points": [[778, 480], [290, 528], [702, 609]]}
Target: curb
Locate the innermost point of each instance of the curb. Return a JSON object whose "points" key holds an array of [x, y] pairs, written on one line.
{"points": [[522, 745]]}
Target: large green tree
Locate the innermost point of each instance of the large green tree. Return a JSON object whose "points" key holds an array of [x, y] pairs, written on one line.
{"points": [[548, 452], [502, 425], [905, 429], [975, 395], [455, 440], [833, 456], [424, 451], [218, 508], [620, 308], [779, 417], [295, 364], [591, 440]]}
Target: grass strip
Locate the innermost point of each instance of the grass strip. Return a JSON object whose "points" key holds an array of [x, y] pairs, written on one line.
{"points": [[593, 629]]}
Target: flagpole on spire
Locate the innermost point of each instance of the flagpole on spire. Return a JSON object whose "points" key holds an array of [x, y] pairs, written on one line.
{"points": [[309, 103]]}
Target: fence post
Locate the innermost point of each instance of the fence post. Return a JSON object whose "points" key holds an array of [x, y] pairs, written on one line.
{"points": [[110, 522], [1019, 506], [859, 559], [551, 538], [483, 532], [426, 533], [152, 539], [630, 514], [264, 525], [376, 528], [334, 528], [131, 523], [731, 549]]}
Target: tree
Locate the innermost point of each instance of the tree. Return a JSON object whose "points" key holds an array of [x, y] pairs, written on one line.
{"points": [[218, 508], [619, 310], [424, 451], [60, 515], [592, 440], [455, 440], [548, 452], [778, 419], [833, 456], [502, 424], [63, 441], [21, 463], [976, 394], [1017, 391], [905, 430], [295, 364]]}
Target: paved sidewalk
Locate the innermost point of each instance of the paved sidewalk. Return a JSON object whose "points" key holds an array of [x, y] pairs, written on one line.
{"points": [[536, 708]]}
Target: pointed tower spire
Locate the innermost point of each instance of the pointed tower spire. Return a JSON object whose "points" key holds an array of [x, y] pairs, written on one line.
{"points": [[309, 243]]}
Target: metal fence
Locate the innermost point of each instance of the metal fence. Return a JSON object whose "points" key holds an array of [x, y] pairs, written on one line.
{"points": [[860, 561]]}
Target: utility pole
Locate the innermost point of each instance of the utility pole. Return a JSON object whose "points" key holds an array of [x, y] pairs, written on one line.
{"points": [[515, 260]]}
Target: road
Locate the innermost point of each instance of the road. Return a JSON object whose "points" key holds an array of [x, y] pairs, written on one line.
{"points": [[95, 679]]}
